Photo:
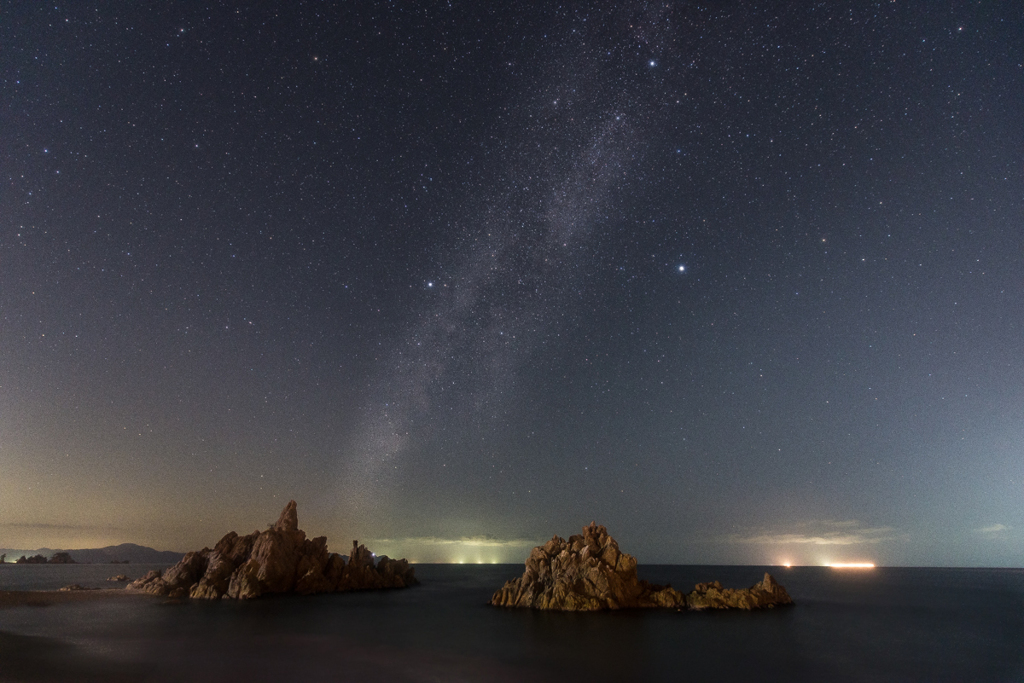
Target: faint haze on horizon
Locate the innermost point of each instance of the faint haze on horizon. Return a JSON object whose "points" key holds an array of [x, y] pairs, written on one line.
{"points": [[743, 284]]}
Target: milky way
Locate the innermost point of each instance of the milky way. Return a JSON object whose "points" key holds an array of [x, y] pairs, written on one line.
{"points": [[512, 283], [739, 282]]}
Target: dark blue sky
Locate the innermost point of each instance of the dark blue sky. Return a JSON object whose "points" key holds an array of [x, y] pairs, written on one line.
{"points": [[744, 284]]}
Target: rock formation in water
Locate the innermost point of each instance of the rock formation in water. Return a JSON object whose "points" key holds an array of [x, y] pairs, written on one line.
{"points": [[589, 572], [586, 573], [766, 594], [278, 560], [120, 578]]}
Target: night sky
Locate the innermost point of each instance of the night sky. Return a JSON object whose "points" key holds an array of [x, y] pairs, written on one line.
{"points": [[743, 283]]}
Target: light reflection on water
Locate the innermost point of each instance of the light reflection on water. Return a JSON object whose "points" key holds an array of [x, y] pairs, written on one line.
{"points": [[886, 624]]}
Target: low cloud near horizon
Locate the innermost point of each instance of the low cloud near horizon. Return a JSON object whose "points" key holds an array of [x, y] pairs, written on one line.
{"points": [[58, 527], [993, 529], [465, 541], [471, 549], [47, 535], [842, 533]]}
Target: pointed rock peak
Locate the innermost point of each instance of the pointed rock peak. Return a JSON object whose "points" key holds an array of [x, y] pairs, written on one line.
{"points": [[594, 531], [289, 519]]}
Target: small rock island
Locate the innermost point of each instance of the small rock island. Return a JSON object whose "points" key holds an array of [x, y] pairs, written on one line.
{"points": [[589, 573], [278, 560]]}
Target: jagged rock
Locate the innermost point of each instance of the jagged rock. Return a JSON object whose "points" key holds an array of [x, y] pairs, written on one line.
{"points": [[119, 578], [586, 573], [289, 519], [589, 572], [181, 577], [236, 548], [278, 560], [151, 582], [215, 580], [245, 582], [766, 594]]}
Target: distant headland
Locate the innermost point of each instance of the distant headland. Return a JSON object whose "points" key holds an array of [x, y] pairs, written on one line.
{"points": [[125, 553]]}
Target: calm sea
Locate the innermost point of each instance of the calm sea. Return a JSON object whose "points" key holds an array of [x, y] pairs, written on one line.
{"points": [[896, 624]]}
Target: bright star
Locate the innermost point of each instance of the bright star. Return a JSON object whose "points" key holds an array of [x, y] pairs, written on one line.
{"points": [[651, 63], [682, 269]]}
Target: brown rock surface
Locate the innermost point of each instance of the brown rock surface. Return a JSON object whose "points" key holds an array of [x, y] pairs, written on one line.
{"points": [[766, 594], [278, 560], [588, 572]]}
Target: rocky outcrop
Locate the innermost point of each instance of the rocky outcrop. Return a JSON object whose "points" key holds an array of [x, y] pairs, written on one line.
{"points": [[586, 573], [278, 560], [766, 594], [120, 578], [589, 572]]}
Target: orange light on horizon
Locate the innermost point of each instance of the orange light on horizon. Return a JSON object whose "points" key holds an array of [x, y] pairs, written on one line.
{"points": [[851, 565]]}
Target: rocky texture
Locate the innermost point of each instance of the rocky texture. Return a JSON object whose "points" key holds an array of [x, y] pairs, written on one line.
{"points": [[120, 578], [766, 594], [589, 572], [586, 573], [76, 587], [278, 560]]}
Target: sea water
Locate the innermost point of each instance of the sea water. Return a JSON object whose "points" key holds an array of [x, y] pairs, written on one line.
{"points": [[882, 624]]}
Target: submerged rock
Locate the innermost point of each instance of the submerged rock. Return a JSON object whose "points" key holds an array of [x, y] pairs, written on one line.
{"points": [[588, 572], [278, 560], [121, 578]]}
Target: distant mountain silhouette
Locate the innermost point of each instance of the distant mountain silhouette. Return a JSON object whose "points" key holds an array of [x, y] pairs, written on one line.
{"points": [[135, 554]]}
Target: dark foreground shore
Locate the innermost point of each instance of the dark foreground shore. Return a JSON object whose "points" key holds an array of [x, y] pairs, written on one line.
{"points": [[46, 598]]}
